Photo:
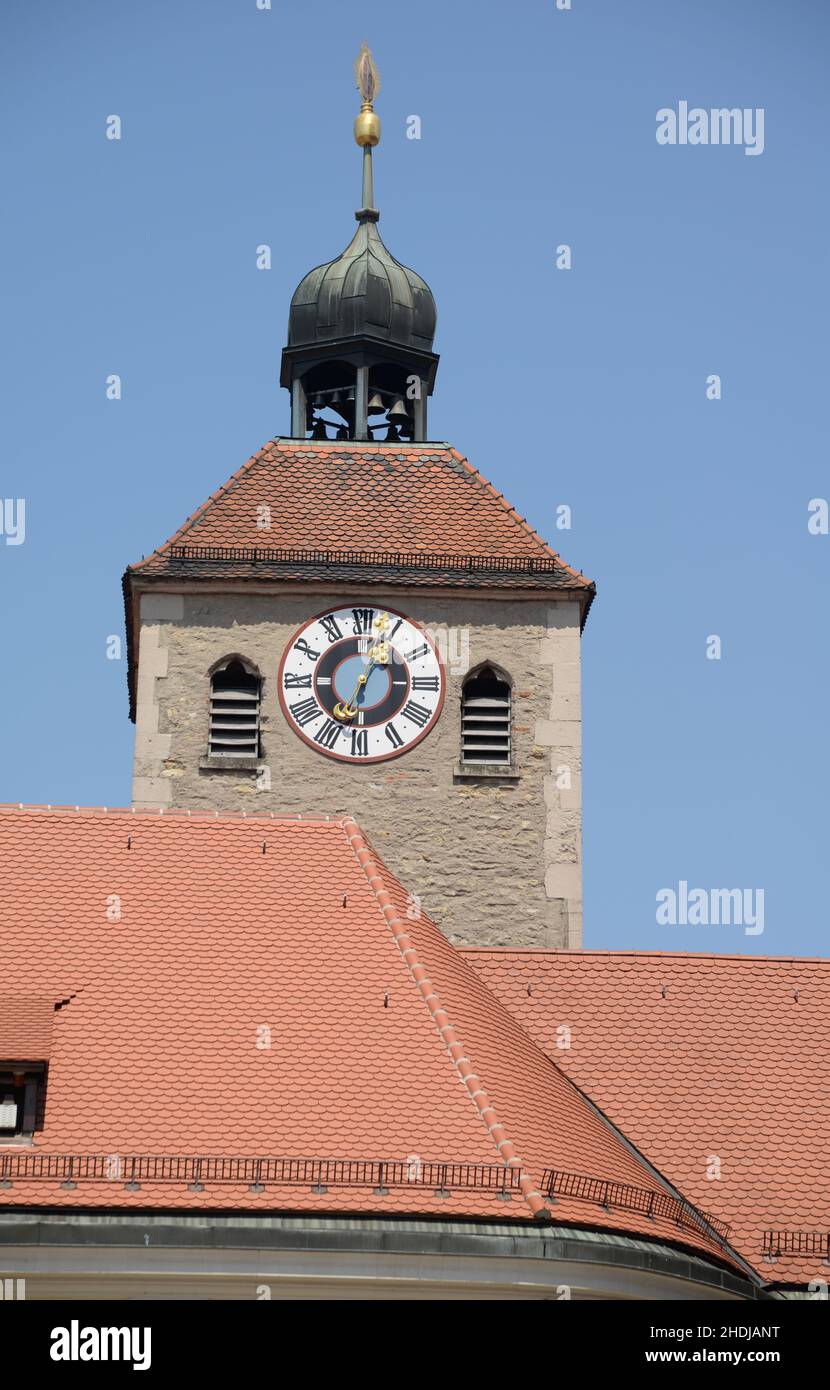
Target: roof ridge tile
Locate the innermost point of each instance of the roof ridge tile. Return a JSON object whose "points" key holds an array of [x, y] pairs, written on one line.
{"points": [[530, 953], [173, 813], [418, 973]]}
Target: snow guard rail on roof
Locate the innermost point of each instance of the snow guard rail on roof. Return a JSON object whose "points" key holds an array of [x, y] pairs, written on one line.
{"points": [[232, 554], [622, 1195], [195, 1170]]}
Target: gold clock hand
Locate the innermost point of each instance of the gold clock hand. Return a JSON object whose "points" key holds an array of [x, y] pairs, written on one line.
{"points": [[380, 651], [348, 709], [378, 656]]}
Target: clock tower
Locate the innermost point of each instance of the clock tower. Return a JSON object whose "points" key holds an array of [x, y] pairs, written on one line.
{"points": [[358, 623]]}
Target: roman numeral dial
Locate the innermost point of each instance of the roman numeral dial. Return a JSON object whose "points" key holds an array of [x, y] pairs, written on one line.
{"points": [[361, 685]]}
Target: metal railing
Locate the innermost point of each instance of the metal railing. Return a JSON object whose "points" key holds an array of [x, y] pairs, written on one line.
{"points": [[255, 555], [797, 1243], [648, 1201], [196, 1171]]}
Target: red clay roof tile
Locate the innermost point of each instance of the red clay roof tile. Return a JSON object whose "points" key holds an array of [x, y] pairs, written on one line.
{"points": [[25, 1028], [355, 513], [246, 986], [707, 1063], [360, 497]]}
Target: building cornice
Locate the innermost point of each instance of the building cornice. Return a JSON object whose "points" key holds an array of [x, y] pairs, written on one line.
{"points": [[62, 1254]]}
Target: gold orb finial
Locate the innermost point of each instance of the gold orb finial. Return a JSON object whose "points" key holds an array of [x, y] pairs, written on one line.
{"points": [[367, 124]]}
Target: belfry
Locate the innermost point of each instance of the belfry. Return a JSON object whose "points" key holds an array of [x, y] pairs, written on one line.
{"points": [[360, 330], [357, 622]]}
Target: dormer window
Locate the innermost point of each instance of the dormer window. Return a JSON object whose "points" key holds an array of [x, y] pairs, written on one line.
{"points": [[235, 693], [21, 1089]]}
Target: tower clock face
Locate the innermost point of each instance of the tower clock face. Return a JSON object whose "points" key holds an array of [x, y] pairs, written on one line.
{"points": [[361, 684]]}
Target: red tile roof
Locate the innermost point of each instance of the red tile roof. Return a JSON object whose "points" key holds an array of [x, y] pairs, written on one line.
{"points": [[185, 944], [25, 1028], [698, 1058], [355, 513], [416, 499]]}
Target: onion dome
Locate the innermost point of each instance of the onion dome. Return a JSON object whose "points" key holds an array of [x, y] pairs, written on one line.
{"points": [[365, 292], [359, 355]]}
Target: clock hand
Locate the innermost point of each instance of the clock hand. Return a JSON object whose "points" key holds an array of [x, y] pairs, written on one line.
{"points": [[379, 653], [378, 656], [348, 709]]}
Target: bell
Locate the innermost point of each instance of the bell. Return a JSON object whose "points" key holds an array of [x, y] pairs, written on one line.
{"points": [[340, 403], [399, 412], [319, 401], [376, 403], [350, 395], [319, 431]]}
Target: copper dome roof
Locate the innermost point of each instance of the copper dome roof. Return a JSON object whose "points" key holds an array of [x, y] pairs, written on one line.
{"points": [[365, 292]]}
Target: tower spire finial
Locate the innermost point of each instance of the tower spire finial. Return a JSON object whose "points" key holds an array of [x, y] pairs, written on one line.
{"points": [[367, 126], [360, 339]]}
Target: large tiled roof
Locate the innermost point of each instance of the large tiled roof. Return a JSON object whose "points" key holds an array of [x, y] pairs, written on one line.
{"points": [[243, 988], [356, 514], [421, 508], [710, 1065]]}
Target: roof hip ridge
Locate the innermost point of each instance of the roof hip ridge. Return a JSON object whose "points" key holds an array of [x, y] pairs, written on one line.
{"points": [[190, 521], [463, 1068], [531, 953], [521, 520], [179, 813]]}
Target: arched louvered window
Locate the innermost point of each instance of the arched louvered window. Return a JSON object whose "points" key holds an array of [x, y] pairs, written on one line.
{"points": [[235, 689], [485, 718]]}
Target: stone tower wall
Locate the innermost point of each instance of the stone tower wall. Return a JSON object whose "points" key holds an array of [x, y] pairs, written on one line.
{"points": [[494, 861]]}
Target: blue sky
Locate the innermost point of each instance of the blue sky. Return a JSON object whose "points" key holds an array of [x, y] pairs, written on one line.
{"points": [[584, 387]]}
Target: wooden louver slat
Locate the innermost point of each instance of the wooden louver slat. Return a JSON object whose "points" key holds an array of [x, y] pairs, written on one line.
{"points": [[234, 713], [486, 720]]}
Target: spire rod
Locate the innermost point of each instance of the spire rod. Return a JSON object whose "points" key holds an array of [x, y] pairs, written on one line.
{"points": [[367, 128]]}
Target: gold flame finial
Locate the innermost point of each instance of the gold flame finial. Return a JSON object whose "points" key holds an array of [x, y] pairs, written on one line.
{"points": [[366, 75], [367, 124]]}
